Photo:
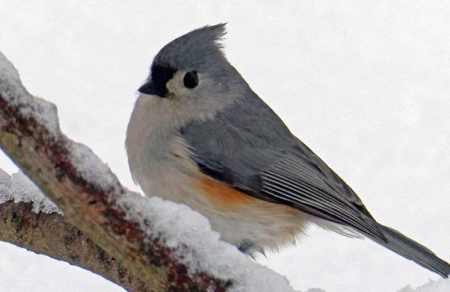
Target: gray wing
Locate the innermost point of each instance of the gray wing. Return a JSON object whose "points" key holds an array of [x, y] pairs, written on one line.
{"points": [[269, 163]]}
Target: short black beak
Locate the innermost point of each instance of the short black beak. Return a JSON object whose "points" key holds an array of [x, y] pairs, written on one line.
{"points": [[151, 88]]}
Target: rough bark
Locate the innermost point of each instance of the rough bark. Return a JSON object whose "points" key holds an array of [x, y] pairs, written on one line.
{"points": [[44, 156], [48, 234]]}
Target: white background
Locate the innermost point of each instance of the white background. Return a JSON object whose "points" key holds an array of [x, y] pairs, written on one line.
{"points": [[366, 84]]}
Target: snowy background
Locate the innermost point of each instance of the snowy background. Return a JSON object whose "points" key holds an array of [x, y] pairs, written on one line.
{"points": [[365, 84]]}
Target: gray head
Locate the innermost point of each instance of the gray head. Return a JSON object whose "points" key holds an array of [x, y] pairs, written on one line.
{"points": [[192, 71], [199, 50]]}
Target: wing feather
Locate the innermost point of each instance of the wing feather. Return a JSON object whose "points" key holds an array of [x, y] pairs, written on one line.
{"points": [[322, 202], [287, 179]]}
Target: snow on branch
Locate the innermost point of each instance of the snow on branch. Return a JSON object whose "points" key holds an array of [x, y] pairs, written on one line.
{"points": [[30, 220], [441, 285], [166, 246]]}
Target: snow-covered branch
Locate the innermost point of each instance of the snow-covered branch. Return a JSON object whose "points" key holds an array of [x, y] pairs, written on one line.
{"points": [[165, 245], [440, 285], [30, 220]]}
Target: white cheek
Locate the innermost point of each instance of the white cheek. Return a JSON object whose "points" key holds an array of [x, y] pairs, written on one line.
{"points": [[175, 85]]}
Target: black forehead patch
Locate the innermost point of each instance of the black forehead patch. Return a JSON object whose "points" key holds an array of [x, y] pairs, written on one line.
{"points": [[160, 75]]}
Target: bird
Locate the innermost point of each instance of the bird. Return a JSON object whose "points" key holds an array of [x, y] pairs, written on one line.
{"points": [[200, 136]]}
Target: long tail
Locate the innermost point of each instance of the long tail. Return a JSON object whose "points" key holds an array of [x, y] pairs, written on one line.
{"points": [[413, 251]]}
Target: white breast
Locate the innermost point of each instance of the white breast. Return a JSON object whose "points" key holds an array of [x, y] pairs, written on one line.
{"points": [[156, 154]]}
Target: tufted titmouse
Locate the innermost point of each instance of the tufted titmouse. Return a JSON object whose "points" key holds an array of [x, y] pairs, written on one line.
{"points": [[200, 136]]}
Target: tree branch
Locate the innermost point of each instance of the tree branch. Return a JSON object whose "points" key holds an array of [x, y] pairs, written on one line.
{"points": [[30, 135], [48, 234]]}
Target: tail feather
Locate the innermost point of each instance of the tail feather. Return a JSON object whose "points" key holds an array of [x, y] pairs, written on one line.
{"points": [[413, 251]]}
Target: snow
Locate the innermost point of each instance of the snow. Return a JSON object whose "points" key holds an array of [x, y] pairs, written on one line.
{"points": [[5, 186], [194, 244], [10, 75], [20, 188], [440, 285], [90, 166], [32, 107], [86, 162]]}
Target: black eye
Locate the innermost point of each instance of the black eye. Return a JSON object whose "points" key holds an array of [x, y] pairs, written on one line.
{"points": [[191, 79]]}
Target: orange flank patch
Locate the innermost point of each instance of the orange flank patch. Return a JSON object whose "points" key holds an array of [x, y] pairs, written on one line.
{"points": [[226, 197], [220, 194]]}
